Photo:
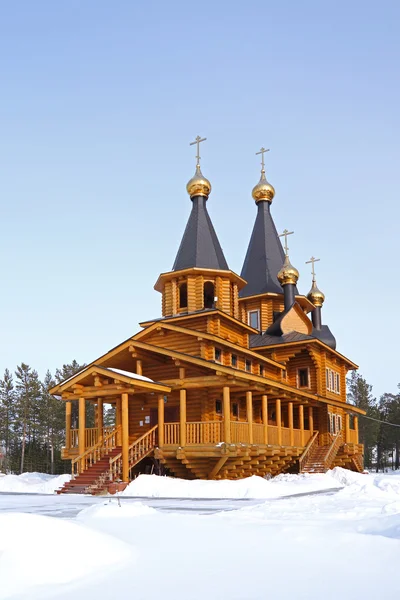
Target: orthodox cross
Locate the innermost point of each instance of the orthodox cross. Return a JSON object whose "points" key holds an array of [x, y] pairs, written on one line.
{"points": [[285, 235], [262, 152], [198, 141], [312, 261]]}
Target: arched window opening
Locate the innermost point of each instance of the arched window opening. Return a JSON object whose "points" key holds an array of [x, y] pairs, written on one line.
{"points": [[183, 295], [208, 294]]}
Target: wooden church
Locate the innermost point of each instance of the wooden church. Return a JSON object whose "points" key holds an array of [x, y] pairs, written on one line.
{"points": [[238, 377]]}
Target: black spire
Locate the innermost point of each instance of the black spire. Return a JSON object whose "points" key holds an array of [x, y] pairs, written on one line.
{"points": [[265, 255], [200, 246]]}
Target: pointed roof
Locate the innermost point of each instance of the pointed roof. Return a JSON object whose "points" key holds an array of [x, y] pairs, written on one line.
{"points": [[265, 256], [200, 246]]}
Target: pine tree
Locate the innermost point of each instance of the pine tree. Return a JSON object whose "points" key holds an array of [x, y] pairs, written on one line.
{"points": [[359, 393], [28, 406], [7, 416], [67, 371]]}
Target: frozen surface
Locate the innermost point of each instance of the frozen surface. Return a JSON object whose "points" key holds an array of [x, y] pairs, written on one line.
{"points": [[340, 544], [36, 483]]}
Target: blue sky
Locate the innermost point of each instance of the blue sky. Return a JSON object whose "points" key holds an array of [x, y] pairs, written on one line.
{"points": [[99, 101]]}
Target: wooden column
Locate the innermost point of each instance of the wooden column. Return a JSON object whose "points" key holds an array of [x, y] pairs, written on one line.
{"points": [[264, 408], [139, 370], [249, 411], [226, 396], [100, 417], [279, 420], [160, 420], [125, 436], [182, 417], [291, 432], [356, 429], [82, 425], [118, 420], [311, 420], [68, 410], [347, 427], [301, 419]]}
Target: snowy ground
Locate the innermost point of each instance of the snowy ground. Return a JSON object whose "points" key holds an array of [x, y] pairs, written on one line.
{"points": [[342, 543]]}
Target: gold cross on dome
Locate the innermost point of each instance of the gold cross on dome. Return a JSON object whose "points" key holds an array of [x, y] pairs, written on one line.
{"points": [[198, 141], [312, 261], [285, 235], [262, 152]]}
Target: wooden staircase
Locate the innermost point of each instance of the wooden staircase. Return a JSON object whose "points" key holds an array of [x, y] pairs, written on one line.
{"points": [[94, 479], [318, 459], [98, 466]]}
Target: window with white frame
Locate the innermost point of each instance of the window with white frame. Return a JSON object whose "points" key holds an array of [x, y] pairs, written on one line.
{"points": [[254, 318], [332, 381]]}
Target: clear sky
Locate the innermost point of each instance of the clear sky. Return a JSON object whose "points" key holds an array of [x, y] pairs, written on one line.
{"points": [[99, 101]]}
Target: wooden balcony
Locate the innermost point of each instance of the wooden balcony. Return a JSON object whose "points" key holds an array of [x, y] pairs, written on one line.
{"points": [[212, 433]]}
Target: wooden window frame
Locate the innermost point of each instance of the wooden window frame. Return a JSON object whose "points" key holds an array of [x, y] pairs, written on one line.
{"points": [[252, 312], [235, 409], [218, 407], [218, 360], [234, 361], [248, 365], [304, 387]]}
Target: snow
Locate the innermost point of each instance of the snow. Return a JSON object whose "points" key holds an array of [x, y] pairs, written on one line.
{"points": [[250, 487], [36, 483], [129, 374], [340, 544]]}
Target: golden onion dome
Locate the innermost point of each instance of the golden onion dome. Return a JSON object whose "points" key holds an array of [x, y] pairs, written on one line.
{"points": [[288, 273], [198, 185], [315, 295], [263, 190]]}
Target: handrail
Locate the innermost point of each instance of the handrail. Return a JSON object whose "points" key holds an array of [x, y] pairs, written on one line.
{"points": [[307, 450], [146, 442], [334, 447], [93, 454]]}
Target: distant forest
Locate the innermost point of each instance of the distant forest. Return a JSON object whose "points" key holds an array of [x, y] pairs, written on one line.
{"points": [[32, 422]]}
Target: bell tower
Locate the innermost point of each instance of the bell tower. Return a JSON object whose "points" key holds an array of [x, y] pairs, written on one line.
{"points": [[200, 278]]}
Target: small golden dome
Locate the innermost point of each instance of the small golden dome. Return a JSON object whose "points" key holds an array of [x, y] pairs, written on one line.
{"points": [[198, 185], [263, 190], [315, 295], [288, 273]]}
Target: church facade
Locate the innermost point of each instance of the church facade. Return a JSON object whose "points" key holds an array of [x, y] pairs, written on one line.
{"points": [[238, 377]]}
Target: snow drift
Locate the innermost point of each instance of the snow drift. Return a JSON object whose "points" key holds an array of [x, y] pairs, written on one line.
{"points": [[34, 483]]}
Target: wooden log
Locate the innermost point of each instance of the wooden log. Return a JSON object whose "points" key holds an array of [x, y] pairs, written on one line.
{"points": [[347, 427], [264, 408], [81, 432], [182, 417], [279, 420], [227, 413], [301, 419], [311, 420], [68, 410], [291, 432], [118, 420], [125, 437], [160, 420], [249, 410]]}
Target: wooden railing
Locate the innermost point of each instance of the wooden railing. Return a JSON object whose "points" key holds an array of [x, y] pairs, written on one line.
{"points": [[353, 436], [307, 452], [258, 433], [73, 439], [91, 436], [136, 451], [204, 432], [239, 432], [297, 438], [273, 435], [333, 450], [92, 455], [286, 441], [171, 433]]}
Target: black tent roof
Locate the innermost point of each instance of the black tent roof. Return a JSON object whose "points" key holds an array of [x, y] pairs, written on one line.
{"points": [[264, 257], [200, 246]]}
